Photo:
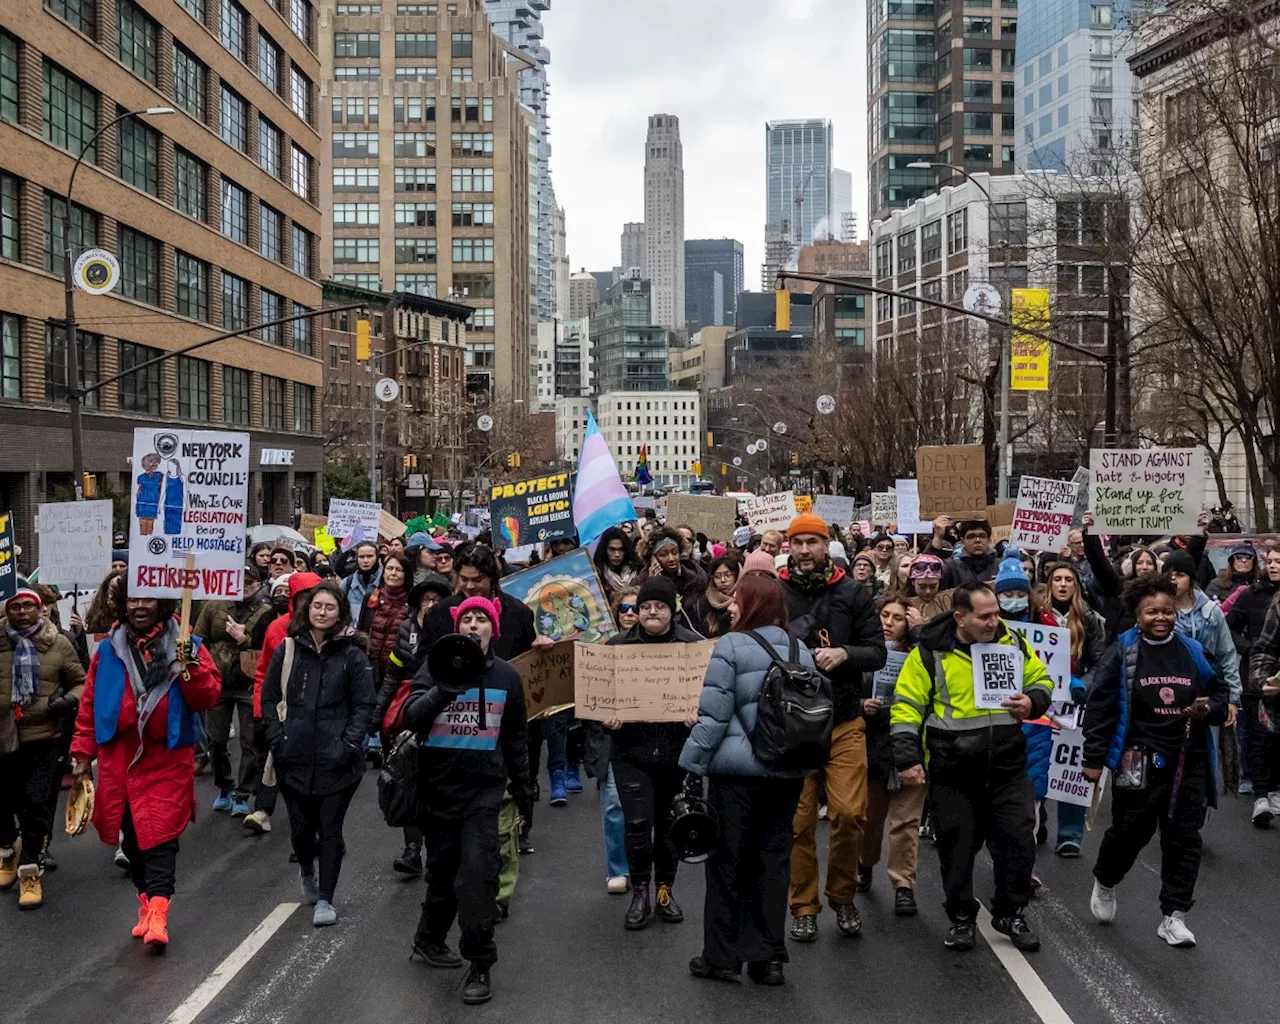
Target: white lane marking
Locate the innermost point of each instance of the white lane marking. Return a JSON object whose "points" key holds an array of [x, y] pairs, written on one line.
{"points": [[191, 1007], [1035, 991]]}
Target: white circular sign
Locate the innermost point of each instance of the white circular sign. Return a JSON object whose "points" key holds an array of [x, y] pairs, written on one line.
{"points": [[825, 405], [737, 460], [762, 445], [485, 423], [387, 389], [751, 449], [779, 427], [96, 272], [982, 298]]}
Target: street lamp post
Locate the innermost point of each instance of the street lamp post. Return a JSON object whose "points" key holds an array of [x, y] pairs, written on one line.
{"points": [[74, 395]]}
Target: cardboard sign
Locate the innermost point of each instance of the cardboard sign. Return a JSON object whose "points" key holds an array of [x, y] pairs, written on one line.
{"points": [[1052, 645], [565, 597], [190, 497], [1067, 783], [639, 682], [1042, 517], [770, 511], [1146, 491], [310, 522], [952, 480], [389, 526], [8, 563], [908, 492], [531, 511], [997, 675], [714, 516], [884, 507], [75, 543], [350, 522], [547, 674], [885, 679], [835, 508], [804, 503]]}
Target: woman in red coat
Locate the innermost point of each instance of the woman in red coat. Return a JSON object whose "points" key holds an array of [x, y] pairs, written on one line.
{"points": [[384, 609], [138, 718]]}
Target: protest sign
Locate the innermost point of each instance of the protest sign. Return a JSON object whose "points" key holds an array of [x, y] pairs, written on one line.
{"points": [[323, 541], [885, 679], [1066, 779], [707, 514], [770, 511], [310, 522], [1000, 519], [1052, 645], [639, 682], [389, 526], [531, 510], [8, 561], [908, 492], [418, 524], [547, 674], [350, 522], [75, 542], [190, 498], [835, 508], [565, 597], [1146, 491], [997, 675], [804, 503], [884, 507], [1042, 516], [952, 481], [1081, 480]]}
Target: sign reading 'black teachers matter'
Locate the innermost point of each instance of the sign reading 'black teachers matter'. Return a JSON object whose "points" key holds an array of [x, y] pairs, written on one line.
{"points": [[1149, 491], [531, 511]]}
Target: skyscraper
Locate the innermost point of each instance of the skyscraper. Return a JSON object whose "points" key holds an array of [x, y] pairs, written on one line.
{"points": [[797, 171], [844, 223], [633, 252], [664, 219], [712, 281]]}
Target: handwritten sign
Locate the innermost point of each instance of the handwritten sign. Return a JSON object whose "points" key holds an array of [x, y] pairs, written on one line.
{"points": [[997, 675], [323, 541], [547, 674], [351, 522], [804, 503], [639, 682], [885, 679], [835, 508], [708, 514], [310, 522], [1052, 645], [1043, 514], [1146, 491], [953, 480], [1066, 778], [8, 563], [770, 511], [75, 542], [908, 492], [884, 507]]}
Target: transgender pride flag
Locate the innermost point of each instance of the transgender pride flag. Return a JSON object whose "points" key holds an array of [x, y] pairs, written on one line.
{"points": [[600, 499]]}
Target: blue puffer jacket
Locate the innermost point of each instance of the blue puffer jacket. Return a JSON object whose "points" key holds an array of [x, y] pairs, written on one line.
{"points": [[1039, 753], [720, 743]]}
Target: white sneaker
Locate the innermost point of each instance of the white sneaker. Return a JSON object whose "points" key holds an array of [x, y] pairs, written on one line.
{"points": [[258, 821], [618, 885], [1262, 812], [1274, 800], [1103, 903], [1173, 929]]}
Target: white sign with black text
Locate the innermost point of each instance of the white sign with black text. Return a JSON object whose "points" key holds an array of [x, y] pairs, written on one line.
{"points": [[997, 675]]}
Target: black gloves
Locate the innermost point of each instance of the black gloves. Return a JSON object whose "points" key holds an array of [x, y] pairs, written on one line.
{"points": [[62, 703], [693, 786]]}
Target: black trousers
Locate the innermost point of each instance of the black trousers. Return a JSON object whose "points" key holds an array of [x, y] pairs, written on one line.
{"points": [[463, 862], [1263, 746], [1135, 816], [154, 871], [29, 779], [237, 705], [315, 828], [745, 912], [646, 792], [264, 796], [972, 808]]}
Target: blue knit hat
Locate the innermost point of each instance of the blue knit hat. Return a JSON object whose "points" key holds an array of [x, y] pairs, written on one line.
{"points": [[1011, 575]]}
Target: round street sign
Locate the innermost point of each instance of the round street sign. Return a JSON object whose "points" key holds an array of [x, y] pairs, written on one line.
{"points": [[387, 389], [96, 272], [751, 449], [485, 422], [825, 405], [982, 298], [779, 427], [762, 445], [737, 460]]}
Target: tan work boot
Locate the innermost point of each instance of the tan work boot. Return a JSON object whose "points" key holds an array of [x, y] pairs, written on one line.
{"points": [[30, 894], [9, 865]]}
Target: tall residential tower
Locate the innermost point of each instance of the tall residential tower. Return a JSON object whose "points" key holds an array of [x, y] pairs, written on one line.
{"points": [[664, 219]]}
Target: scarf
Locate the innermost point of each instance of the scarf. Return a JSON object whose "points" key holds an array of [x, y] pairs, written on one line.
{"points": [[717, 600], [811, 582], [26, 663], [151, 660], [615, 581]]}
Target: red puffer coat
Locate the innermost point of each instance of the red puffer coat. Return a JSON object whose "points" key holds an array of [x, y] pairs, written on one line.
{"points": [[160, 789], [384, 610]]}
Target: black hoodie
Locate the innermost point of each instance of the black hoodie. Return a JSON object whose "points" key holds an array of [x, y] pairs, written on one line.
{"points": [[651, 742]]}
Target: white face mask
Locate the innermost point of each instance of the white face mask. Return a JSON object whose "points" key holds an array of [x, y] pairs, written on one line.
{"points": [[1014, 605]]}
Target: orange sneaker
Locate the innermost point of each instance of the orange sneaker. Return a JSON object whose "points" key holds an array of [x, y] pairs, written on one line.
{"points": [[144, 915], [157, 923]]}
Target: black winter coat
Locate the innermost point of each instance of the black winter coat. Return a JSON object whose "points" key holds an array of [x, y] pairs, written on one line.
{"points": [[401, 665], [516, 632], [319, 747], [1248, 613], [648, 742]]}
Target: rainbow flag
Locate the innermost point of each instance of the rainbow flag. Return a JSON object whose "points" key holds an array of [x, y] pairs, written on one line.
{"points": [[600, 498], [641, 475]]}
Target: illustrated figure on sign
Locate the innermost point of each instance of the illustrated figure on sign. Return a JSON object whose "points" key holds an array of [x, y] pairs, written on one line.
{"points": [[173, 499], [147, 500]]}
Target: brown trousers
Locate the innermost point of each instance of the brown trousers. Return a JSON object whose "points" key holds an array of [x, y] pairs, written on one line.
{"points": [[845, 781], [903, 808]]}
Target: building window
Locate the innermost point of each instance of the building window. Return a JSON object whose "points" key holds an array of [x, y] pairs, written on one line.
{"points": [[413, 109], [472, 179], [412, 179], [195, 8], [234, 127], [193, 389], [300, 19], [359, 74], [302, 331], [359, 213], [852, 337], [356, 44], [8, 77], [356, 179], [464, 109], [418, 284], [137, 45], [415, 250], [232, 28], [139, 161], [906, 252], [79, 14], [269, 60], [1009, 223], [299, 93], [70, 111], [415, 44], [139, 266], [272, 403], [304, 408], [414, 144], [272, 309], [300, 171], [462, 44], [301, 254], [140, 390], [84, 231], [1100, 77], [371, 281], [355, 144], [419, 215], [460, 74], [270, 230], [235, 396], [473, 143], [270, 140], [355, 250], [10, 356], [192, 279], [957, 231], [473, 250], [189, 81], [235, 302], [10, 220], [1100, 16], [483, 319], [189, 177], [57, 383], [488, 108], [362, 10], [466, 215], [235, 212], [930, 244]]}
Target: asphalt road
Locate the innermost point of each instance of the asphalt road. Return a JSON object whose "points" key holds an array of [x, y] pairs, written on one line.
{"points": [[241, 952]]}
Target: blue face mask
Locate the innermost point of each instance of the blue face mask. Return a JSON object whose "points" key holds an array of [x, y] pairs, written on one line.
{"points": [[1014, 605]]}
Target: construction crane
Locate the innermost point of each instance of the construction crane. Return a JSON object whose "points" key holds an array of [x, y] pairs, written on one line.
{"points": [[798, 232]]}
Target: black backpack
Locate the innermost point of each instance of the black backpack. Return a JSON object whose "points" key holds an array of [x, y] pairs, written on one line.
{"points": [[398, 782], [795, 715]]}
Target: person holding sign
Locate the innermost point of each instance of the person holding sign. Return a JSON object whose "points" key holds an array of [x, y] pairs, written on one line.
{"points": [[963, 694], [976, 561], [1155, 693]]}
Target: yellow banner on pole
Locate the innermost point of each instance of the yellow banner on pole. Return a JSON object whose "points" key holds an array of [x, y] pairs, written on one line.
{"points": [[1029, 355]]}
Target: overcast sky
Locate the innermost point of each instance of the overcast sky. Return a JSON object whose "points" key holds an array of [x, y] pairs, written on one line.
{"points": [[724, 67]]}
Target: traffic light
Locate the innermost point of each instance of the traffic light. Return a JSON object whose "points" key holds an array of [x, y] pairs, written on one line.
{"points": [[795, 458], [711, 439], [410, 463], [90, 485], [513, 460], [782, 310], [724, 469], [363, 347], [695, 468]]}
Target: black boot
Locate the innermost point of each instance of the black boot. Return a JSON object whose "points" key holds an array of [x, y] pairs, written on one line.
{"points": [[1020, 934], [640, 909], [904, 903], [667, 908], [767, 972], [475, 986], [409, 862]]}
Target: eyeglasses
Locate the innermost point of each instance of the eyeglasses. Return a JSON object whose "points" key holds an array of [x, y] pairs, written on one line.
{"points": [[884, 547], [628, 609], [281, 561]]}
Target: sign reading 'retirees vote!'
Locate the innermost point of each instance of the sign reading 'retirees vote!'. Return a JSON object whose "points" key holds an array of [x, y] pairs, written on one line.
{"points": [[531, 511]]}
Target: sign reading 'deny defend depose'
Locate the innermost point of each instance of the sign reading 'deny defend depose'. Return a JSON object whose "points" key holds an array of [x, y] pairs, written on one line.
{"points": [[75, 543], [771, 511], [997, 675], [190, 497], [1043, 514], [952, 480], [1150, 491]]}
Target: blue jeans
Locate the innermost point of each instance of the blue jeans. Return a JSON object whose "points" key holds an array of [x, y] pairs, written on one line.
{"points": [[555, 729], [1070, 823], [613, 824]]}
